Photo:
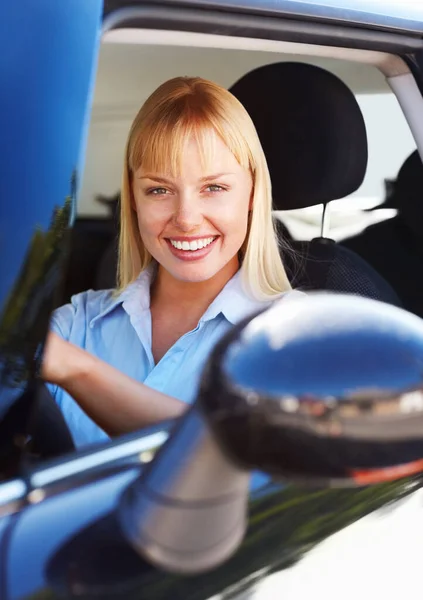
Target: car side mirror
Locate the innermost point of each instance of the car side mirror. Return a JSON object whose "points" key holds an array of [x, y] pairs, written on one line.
{"points": [[325, 389]]}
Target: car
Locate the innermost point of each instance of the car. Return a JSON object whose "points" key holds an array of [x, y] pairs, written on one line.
{"points": [[322, 401]]}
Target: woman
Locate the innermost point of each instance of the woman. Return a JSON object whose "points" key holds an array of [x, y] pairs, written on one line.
{"points": [[197, 253]]}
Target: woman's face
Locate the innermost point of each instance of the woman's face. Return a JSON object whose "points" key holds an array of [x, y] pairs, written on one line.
{"points": [[195, 224]]}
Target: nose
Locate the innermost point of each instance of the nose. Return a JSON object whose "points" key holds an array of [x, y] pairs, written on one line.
{"points": [[188, 216]]}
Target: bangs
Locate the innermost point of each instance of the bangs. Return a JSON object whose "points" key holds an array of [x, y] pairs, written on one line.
{"points": [[158, 146]]}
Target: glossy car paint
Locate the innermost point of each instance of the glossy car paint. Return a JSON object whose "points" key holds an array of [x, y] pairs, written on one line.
{"points": [[47, 70], [59, 536], [70, 544]]}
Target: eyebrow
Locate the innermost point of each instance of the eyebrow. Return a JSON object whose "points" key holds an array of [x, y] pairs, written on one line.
{"points": [[215, 176], [155, 178], [164, 180]]}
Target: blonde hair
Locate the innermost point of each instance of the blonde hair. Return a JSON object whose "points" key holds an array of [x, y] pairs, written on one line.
{"points": [[179, 109]]}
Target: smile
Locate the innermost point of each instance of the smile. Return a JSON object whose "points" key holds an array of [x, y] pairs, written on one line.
{"points": [[192, 250], [194, 245]]}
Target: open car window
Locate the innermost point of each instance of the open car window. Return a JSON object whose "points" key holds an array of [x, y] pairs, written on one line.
{"points": [[128, 72]]}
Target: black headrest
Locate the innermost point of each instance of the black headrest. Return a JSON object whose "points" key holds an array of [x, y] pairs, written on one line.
{"points": [[311, 129], [406, 191]]}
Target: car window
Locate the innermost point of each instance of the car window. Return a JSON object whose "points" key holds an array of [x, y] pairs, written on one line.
{"points": [[127, 74]]}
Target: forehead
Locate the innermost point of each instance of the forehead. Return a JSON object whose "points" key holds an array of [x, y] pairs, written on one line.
{"points": [[196, 156]]}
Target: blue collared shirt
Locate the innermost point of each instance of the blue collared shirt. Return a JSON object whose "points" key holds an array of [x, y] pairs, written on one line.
{"points": [[117, 329]]}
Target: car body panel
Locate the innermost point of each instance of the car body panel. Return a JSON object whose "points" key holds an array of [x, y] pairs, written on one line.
{"points": [[405, 16], [47, 67], [70, 544]]}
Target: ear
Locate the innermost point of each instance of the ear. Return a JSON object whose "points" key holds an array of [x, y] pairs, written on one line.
{"points": [[133, 203], [250, 205], [132, 194]]}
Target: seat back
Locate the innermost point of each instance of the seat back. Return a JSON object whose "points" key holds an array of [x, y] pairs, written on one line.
{"points": [[337, 269]]}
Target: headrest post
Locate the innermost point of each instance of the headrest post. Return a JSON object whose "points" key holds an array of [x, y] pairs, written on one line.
{"points": [[324, 231]]}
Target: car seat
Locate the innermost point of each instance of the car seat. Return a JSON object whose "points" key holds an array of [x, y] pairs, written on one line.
{"points": [[314, 137]]}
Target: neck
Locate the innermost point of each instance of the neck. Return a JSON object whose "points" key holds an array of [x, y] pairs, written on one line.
{"points": [[194, 297]]}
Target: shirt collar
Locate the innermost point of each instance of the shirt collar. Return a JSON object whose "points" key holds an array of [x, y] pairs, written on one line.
{"points": [[233, 302], [136, 295]]}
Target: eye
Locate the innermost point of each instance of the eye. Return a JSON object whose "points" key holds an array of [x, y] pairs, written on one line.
{"points": [[159, 191], [214, 187]]}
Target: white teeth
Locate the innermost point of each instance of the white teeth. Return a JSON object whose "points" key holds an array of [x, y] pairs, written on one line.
{"points": [[192, 246]]}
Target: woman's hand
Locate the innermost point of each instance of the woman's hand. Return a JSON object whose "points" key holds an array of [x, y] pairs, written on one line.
{"points": [[62, 360]]}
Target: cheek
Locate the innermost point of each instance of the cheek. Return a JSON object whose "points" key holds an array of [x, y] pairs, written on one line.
{"points": [[151, 221], [233, 217]]}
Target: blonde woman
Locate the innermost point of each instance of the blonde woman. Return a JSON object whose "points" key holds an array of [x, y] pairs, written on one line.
{"points": [[198, 252]]}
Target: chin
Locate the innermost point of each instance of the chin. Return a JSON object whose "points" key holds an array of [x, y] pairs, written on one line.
{"points": [[193, 274]]}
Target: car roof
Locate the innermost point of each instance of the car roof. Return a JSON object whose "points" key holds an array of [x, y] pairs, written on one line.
{"points": [[392, 15]]}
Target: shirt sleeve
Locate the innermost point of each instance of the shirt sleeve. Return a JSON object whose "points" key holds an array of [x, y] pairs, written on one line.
{"points": [[61, 323], [62, 319]]}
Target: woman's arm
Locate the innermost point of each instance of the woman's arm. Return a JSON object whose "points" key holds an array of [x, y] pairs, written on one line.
{"points": [[116, 402]]}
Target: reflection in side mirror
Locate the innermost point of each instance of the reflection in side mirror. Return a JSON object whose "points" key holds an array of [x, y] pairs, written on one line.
{"points": [[326, 389]]}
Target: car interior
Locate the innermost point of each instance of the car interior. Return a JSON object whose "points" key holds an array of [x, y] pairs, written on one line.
{"points": [[394, 246], [332, 130]]}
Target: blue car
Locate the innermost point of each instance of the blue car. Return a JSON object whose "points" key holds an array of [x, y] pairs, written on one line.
{"points": [[298, 470]]}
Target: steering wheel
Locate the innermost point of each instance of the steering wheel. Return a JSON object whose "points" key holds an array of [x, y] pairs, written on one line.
{"points": [[48, 429]]}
